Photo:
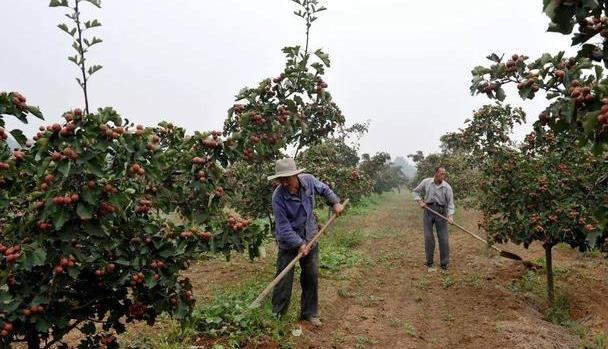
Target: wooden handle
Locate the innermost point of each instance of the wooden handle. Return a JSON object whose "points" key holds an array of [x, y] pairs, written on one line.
{"points": [[463, 229], [258, 301]]}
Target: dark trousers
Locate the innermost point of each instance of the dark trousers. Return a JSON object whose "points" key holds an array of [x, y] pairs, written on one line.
{"points": [[281, 295], [430, 220]]}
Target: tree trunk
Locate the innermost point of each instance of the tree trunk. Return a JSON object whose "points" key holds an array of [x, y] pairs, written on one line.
{"points": [[33, 341], [549, 271]]}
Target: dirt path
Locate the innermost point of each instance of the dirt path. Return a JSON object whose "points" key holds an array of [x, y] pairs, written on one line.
{"points": [[394, 302]]}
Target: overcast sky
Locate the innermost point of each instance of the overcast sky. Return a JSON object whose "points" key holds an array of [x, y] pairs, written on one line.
{"points": [[403, 64]]}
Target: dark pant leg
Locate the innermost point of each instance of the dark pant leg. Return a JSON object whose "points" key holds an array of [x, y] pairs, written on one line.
{"points": [[429, 239], [309, 280], [442, 235], [281, 294]]}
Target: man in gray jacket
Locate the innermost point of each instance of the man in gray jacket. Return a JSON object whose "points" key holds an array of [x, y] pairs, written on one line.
{"points": [[436, 193]]}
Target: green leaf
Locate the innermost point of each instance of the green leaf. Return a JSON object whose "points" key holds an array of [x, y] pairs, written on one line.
{"points": [[59, 218], [123, 261], [94, 229], [500, 94], [89, 328], [33, 257], [19, 137], [65, 28], [40, 299], [149, 281], [94, 69], [35, 111], [89, 196], [58, 3], [83, 211], [42, 325], [64, 167], [324, 57], [494, 58], [92, 24], [97, 3]]}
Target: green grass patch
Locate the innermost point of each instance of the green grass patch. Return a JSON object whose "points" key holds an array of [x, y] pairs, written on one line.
{"points": [[599, 342]]}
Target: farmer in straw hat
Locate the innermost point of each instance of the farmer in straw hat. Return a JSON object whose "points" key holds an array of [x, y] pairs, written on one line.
{"points": [[293, 202]]}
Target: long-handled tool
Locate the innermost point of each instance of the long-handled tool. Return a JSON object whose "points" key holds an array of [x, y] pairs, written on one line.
{"points": [[258, 301], [506, 254]]}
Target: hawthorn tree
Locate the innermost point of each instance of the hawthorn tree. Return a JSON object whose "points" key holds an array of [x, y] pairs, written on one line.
{"points": [[336, 162], [99, 216], [294, 110], [86, 237], [549, 189]]}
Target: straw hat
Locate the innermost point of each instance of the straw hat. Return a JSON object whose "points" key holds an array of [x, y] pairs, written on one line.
{"points": [[285, 168]]}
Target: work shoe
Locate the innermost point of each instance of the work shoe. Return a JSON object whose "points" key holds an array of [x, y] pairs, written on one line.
{"points": [[314, 321], [431, 269], [444, 267]]}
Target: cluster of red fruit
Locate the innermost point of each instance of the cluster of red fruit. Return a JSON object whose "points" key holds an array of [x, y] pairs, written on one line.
{"points": [[3, 135], [137, 169], [189, 296], [219, 192], [564, 169], [144, 206], [254, 139], [109, 188], [581, 94], [258, 119], [65, 200], [512, 63], [111, 132], [69, 153], [19, 100], [531, 81], [198, 160], [44, 226], [137, 240], [355, 174], [602, 119], [108, 340], [213, 143], [64, 262], [594, 25], [156, 264], [271, 138], [137, 279], [36, 309], [18, 155], [320, 85], [73, 115], [153, 142], [201, 176], [535, 218], [137, 310], [139, 130], [237, 223], [106, 209], [10, 253], [248, 153], [108, 269], [7, 328], [283, 115], [48, 180], [559, 74], [279, 79], [238, 108]]}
